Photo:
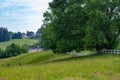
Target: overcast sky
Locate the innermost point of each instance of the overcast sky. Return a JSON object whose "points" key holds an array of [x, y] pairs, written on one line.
{"points": [[22, 15]]}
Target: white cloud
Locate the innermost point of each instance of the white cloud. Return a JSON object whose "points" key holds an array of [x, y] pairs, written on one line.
{"points": [[23, 12]]}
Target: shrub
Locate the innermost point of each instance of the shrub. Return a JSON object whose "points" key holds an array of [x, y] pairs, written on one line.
{"points": [[13, 50], [2, 55], [24, 48]]}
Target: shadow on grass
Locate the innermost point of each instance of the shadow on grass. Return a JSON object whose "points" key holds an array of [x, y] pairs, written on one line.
{"points": [[95, 55], [67, 59]]}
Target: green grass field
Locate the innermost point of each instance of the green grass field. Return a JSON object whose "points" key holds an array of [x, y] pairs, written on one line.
{"points": [[49, 66], [18, 41]]}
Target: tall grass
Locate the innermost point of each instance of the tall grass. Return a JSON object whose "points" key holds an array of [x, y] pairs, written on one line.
{"points": [[50, 66]]}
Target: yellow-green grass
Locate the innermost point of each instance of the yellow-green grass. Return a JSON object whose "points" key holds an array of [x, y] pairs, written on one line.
{"points": [[49, 66], [3, 45]]}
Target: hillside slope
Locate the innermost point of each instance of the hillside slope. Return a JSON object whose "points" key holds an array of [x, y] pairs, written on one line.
{"points": [[49, 66], [18, 41]]}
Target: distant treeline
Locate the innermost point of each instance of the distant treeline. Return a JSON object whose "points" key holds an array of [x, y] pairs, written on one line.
{"points": [[6, 35]]}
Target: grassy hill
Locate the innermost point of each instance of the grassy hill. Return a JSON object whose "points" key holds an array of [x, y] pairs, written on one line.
{"points": [[18, 41], [49, 66]]}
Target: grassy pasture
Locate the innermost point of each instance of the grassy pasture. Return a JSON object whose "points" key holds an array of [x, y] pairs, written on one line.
{"points": [[3, 45], [49, 66]]}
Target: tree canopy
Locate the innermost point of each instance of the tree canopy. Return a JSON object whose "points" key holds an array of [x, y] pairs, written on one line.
{"points": [[81, 24]]}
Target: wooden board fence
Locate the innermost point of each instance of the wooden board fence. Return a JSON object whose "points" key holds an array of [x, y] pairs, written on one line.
{"points": [[108, 51]]}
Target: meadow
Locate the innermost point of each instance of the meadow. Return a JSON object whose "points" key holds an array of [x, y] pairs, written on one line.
{"points": [[3, 45], [46, 65]]}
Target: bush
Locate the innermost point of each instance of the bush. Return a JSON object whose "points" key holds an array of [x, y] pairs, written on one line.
{"points": [[24, 48], [13, 50], [2, 55]]}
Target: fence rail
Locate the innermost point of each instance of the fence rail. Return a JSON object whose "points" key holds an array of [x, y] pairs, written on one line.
{"points": [[109, 51]]}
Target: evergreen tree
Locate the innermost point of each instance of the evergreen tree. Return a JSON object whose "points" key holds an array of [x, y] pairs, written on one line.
{"points": [[17, 35], [4, 35]]}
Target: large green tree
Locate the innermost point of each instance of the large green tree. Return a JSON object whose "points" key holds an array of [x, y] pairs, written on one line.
{"points": [[64, 25], [103, 26], [81, 24]]}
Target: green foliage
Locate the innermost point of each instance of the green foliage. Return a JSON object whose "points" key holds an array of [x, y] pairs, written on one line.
{"points": [[77, 25], [1, 53], [24, 48], [102, 30], [13, 50], [48, 40]]}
